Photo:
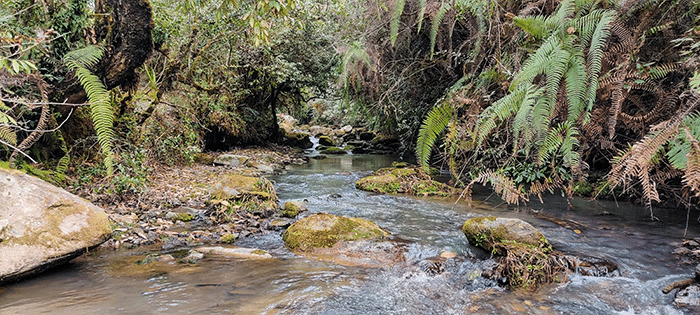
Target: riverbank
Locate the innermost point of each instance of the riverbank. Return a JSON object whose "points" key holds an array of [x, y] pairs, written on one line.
{"points": [[177, 207]]}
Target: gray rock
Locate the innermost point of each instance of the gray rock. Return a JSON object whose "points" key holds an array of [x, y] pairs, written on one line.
{"points": [[42, 226], [193, 257], [230, 159], [265, 168]]}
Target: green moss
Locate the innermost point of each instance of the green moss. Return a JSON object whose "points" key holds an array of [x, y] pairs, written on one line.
{"points": [[184, 217], [326, 140], [227, 238], [325, 230], [290, 209], [399, 164], [409, 179], [259, 252], [431, 188], [333, 150]]}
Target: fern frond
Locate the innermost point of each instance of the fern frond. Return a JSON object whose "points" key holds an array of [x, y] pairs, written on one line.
{"points": [[537, 63], [575, 79], [691, 176], [502, 185], [437, 20], [422, 5], [100, 106], [396, 20], [536, 26], [661, 71], [504, 108], [433, 125], [6, 132], [595, 54]]}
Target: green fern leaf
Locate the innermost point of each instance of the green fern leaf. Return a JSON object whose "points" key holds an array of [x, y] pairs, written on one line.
{"points": [[396, 20], [433, 125], [437, 20], [595, 54], [422, 5], [100, 106], [6, 123]]}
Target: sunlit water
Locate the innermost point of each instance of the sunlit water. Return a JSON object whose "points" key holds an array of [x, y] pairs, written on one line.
{"points": [[102, 283]]}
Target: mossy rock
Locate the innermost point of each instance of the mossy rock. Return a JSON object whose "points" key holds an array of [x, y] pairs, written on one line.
{"points": [[253, 194], [292, 208], [325, 230], [326, 140], [494, 234], [298, 139], [203, 158], [333, 150], [406, 179]]}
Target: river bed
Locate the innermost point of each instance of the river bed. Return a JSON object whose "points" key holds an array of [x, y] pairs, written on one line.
{"points": [[101, 282]]}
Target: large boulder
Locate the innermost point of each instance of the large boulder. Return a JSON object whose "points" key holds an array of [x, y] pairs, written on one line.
{"points": [[42, 226], [493, 234], [325, 230]]}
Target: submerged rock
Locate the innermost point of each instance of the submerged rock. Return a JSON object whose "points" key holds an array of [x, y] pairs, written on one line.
{"points": [[42, 226], [325, 230], [236, 252], [492, 234], [404, 179]]}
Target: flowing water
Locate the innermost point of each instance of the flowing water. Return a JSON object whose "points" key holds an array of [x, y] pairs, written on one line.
{"points": [[104, 282]]}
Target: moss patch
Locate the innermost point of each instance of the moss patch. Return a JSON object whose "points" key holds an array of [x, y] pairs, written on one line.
{"points": [[291, 209], [333, 150], [325, 230], [403, 179], [227, 238]]}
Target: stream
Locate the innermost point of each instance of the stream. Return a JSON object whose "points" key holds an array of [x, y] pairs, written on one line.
{"points": [[99, 283]]}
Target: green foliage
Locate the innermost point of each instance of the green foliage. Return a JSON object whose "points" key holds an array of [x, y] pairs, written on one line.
{"points": [[396, 19], [6, 124], [433, 125], [100, 106], [437, 21], [534, 96]]}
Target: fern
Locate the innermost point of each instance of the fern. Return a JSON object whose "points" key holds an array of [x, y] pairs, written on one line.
{"points": [[437, 20], [434, 124], [100, 107], [396, 20], [6, 123], [422, 5]]}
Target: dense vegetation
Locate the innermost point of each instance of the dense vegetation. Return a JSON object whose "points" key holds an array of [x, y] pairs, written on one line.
{"points": [[527, 96]]}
